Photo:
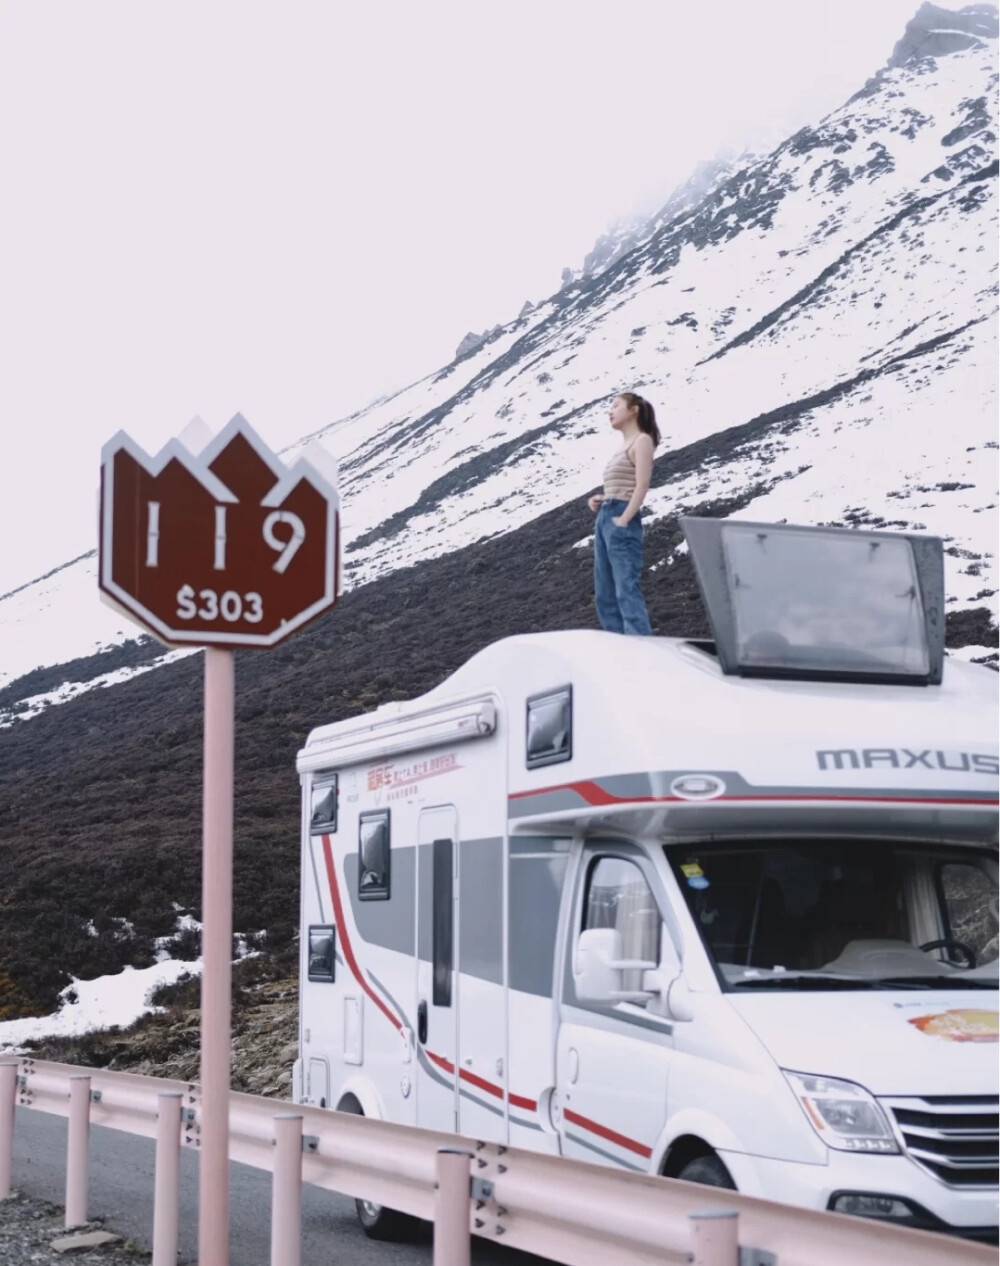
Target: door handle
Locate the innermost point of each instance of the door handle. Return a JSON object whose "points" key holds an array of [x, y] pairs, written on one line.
{"points": [[422, 1023]]}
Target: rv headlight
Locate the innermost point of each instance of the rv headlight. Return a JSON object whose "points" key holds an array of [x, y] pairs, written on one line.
{"points": [[844, 1115]]}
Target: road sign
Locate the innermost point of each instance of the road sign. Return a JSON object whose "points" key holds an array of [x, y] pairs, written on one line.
{"points": [[228, 547], [223, 548]]}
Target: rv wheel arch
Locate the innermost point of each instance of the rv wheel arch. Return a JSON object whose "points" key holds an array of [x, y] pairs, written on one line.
{"points": [[687, 1131], [360, 1093], [691, 1159], [378, 1222]]}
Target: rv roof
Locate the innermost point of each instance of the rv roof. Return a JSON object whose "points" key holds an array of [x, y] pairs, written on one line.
{"points": [[682, 682]]}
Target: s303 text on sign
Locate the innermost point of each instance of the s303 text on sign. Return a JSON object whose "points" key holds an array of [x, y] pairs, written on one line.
{"points": [[226, 547]]}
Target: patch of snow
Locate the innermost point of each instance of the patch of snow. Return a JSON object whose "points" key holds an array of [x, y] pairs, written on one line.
{"points": [[975, 654], [34, 705], [103, 1003], [184, 923]]}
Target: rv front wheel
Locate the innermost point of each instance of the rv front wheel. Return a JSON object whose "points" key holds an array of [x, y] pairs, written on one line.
{"points": [[378, 1222], [709, 1171]]}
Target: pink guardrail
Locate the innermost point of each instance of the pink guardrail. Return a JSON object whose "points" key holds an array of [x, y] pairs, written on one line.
{"points": [[571, 1212]]}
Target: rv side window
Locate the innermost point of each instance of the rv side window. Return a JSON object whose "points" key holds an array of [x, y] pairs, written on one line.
{"points": [[323, 806], [373, 856], [443, 871], [322, 952], [618, 897], [550, 728]]}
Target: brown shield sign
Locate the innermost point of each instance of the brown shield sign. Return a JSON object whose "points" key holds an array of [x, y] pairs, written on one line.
{"points": [[227, 547]]}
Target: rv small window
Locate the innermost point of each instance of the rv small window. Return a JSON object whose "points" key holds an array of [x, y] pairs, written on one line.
{"points": [[373, 856], [323, 806], [550, 728], [322, 952]]}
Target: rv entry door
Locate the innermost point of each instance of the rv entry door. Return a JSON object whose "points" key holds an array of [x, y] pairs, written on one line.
{"points": [[436, 992]]}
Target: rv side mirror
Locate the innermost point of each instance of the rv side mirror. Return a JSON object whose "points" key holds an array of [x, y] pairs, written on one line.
{"points": [[598, 966]]}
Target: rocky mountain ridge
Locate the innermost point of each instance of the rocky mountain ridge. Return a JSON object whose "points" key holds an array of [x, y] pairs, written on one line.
{"points": [[936, 32]]}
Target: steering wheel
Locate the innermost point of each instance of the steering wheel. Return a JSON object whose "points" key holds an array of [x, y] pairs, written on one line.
{"points": [[967, 952]]}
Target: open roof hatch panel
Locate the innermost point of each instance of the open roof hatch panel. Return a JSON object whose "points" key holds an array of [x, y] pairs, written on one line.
{"points": [[828, 604]]}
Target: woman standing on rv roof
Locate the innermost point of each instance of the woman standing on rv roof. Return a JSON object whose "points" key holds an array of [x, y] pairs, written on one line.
{"points": [[618, 532]]}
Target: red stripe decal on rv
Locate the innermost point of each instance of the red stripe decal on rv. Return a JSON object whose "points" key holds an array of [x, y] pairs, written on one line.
{"points": [[345, 940], [516, 1101], [594, 794], [603, 1132]]}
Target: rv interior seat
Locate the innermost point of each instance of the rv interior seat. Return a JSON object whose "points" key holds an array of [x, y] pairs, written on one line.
{"points": [[884, 957]]}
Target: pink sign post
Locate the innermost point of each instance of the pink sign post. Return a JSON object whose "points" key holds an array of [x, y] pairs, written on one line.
{"points": [[224, 547]]}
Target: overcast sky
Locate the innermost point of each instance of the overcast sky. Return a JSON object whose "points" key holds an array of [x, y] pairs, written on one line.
{"points": [[290, 208]]}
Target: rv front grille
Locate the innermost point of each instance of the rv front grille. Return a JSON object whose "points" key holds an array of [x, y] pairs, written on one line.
{"points": [[956, 1138]]}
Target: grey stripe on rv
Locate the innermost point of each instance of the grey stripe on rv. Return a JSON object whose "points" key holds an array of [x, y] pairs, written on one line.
{"points": [[385, 923], [389, 924], [545, 802], [536, 844], [430, 1069], [658, 783], [615, 1160], [640, 786], [480, 921], [535, 891]]}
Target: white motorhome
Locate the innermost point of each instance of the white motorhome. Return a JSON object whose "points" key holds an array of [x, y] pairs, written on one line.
{"points": [[724, 911]]}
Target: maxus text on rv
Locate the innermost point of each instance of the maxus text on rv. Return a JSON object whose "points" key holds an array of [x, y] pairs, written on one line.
{"points": [[723, 910]]}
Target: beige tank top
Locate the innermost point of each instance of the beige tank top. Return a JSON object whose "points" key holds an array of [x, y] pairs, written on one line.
{"points": [[619, 475]]}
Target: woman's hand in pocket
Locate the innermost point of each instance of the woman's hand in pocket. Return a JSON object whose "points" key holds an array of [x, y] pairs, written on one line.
{"points": [[619, 521]]}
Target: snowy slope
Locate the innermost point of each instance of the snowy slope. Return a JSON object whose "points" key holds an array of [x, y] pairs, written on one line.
{"points": [[845, 284]]}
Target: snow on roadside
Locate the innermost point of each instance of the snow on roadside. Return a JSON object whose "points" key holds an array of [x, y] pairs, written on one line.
{"points": [[87, 1006], [108, 1001]]}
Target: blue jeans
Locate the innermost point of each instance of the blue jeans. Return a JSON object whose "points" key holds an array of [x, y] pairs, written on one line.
{"points": [[617, 571]]}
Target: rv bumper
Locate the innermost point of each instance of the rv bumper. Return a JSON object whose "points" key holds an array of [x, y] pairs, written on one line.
{"points": [[890, 1188]]}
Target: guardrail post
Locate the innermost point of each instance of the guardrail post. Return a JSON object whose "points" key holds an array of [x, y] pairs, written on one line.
{"points": [[715, 1238], [167, 1185], [8, 1096], [286, 1191], [452, 1234], [77, 1147]]}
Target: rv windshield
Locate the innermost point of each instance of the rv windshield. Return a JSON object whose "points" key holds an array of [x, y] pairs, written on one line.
{"points": [[843, 914]]}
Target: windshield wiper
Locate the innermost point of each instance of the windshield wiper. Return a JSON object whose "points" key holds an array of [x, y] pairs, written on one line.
{"points": [[798, 980], [933, 982]]}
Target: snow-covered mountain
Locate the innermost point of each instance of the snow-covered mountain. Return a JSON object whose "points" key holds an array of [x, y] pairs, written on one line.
{"points": [[820, 321]]}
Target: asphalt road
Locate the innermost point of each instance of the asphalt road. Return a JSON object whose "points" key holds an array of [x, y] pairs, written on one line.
{"points": [[121, 1192]]}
